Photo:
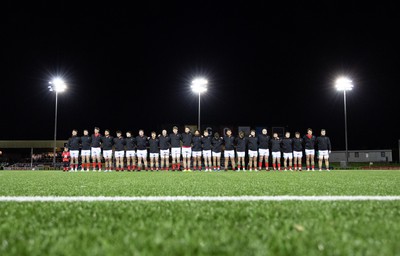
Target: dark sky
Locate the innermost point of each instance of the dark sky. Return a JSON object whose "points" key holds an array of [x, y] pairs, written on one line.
{"points": [[130, 66]]}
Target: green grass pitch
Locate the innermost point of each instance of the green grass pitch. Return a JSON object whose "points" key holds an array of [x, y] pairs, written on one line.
{"points": [[200, 228]]}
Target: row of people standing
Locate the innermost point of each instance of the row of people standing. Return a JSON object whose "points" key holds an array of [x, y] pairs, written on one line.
{"points": [[194, 148]]}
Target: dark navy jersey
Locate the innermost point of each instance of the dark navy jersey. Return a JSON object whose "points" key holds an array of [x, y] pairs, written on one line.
{"points": [[141, 142], [74, 143], [276, 144], [175, 140], [229, 142], [323, 143], [263, 141], [217, 144], [86, 140], [130, 143], [253, 143], [119, 143], [297, 144], [164, 142], [241, 144], [309, 143], [287, 145], [186, 139], [196, 143], [154, 145], [206, 141], [96, 140], [107, 142]]}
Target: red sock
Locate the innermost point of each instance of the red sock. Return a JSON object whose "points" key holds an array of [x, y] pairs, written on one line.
{"points": [[259, 165], [299, 165], [99, 164], [295, 166], [308, 167], [179, 166], [266, 165], [312, 167], [279, 165], [273, 165]]}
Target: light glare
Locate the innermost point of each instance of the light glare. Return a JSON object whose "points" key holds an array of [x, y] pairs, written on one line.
{"points": [[344, 84], [199, 85], [58, 85]]}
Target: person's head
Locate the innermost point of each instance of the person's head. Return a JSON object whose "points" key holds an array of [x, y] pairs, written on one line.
{"points": [[323, 132], [74, 132], [216, 135], [141, 132], [205, 133], [297, 134], [196, 133], [128, 134], [264, 131], [253, 133], [287, 134], [229, 132], [309, 131], [107, 132], [164, 132], [187, 129], [119, 133], [96, 129], [153, 134], [65, 149], [241, 134], [275, 135], [175, 129], [85, 132]]}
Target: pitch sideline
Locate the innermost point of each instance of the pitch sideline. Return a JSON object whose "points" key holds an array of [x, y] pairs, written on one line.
{"points": [[192, 198]]}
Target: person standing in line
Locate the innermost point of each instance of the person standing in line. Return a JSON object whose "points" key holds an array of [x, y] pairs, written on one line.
{"points": [[186, 148], [287, 149], [107, 142], [96, 149], [119, 152], [206, 145], [74, 143], [141, 143], [164, 149], [130, 144], [297, 151], [175, 139], [276, 151], [66, 159], [154, 145], [253, 150], [229, 151], [263, 149], [86, 140], [309, 146], [216, 143], [241, 142], [324, 149], [196, 150]]}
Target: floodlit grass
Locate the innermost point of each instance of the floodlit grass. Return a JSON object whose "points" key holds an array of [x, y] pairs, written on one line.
{"points": [[200, 228]]}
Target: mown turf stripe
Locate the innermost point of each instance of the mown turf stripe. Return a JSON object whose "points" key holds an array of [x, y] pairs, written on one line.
{"points": [[192, 198]]}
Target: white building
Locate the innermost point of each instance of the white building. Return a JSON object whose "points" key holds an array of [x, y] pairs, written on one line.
{"points": [[360, 156]]}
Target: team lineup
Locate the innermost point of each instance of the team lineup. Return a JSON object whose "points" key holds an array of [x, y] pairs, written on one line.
{"points": [[192, 150]]}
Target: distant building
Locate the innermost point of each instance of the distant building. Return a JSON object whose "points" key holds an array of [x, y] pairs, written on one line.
{"points": [[362, 156]]}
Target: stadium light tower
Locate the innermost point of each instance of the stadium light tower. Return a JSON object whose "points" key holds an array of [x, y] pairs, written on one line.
{"points": [[199, 85], [344, 84], [57, 85]]}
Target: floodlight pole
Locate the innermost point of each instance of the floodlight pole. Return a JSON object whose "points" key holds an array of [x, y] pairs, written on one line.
{"points": [[55, 133], [198, 126], [345, 128]]}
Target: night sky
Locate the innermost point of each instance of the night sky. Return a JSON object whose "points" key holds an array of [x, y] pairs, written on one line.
{"points": [[129, 67]]}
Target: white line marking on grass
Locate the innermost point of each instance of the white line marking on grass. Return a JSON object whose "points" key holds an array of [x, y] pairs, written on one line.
{"points": [[192, 198]]}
